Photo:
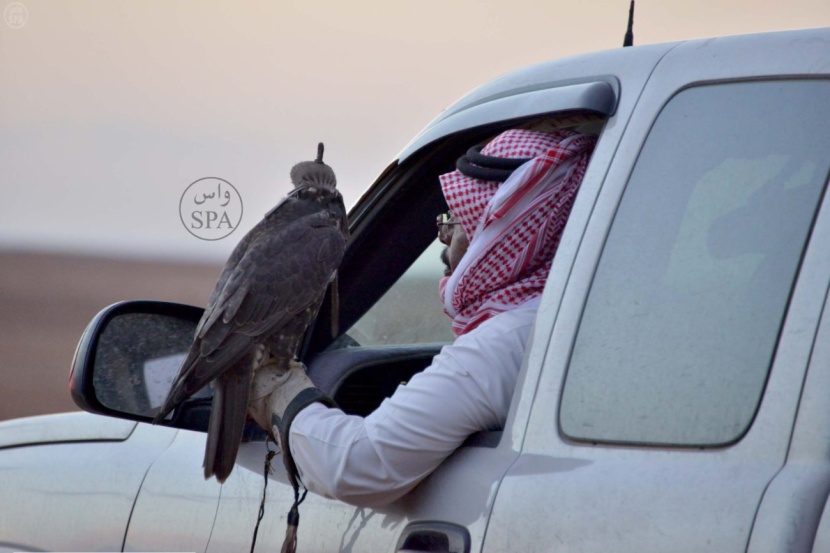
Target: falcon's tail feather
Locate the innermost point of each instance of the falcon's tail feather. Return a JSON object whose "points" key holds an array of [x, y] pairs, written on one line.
{"points": [[227, 421], [179, 391]]}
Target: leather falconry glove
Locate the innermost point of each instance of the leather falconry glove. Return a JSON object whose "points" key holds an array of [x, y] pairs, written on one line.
{"points": [[278, 394]]}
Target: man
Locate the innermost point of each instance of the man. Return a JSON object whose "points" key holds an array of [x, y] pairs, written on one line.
{"points": [[501, 238]]}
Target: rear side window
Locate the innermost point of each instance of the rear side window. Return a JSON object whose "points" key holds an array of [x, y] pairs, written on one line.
{"points": [[683, 316]]}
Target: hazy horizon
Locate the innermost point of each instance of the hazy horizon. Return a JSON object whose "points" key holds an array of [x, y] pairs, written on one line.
{"points": [[108, 111]]}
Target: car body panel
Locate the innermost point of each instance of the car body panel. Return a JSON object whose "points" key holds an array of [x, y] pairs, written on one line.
{"points": [[63, 427], [792, 507], [77, 495], [325, 525], [176, 507]]}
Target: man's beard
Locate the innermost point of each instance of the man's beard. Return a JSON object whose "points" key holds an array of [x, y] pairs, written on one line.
{"points": [[445, 259]]}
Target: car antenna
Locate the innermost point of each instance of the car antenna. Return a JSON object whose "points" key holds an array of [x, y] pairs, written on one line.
{"points": [[629, 34]]}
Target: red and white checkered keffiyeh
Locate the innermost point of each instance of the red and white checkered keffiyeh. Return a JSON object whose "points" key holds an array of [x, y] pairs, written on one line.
{"points": [[513, 227]]}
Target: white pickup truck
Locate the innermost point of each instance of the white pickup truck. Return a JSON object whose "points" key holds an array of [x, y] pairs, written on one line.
{"points": [[676, 392]]}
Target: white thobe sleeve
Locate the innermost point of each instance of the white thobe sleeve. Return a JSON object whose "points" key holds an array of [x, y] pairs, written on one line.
{"points": [[374, 460]]}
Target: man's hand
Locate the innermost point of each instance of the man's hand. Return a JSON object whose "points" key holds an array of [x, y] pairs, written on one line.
{"points": [[272, 389], [278, 394]]}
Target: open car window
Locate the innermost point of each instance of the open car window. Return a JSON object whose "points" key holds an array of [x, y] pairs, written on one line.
{"points": [[390, 272], [410, 312]]}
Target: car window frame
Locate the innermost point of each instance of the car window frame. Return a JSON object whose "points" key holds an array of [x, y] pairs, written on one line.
{"points": [[375, 257]]}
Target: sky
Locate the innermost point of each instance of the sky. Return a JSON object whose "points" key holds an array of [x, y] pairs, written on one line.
{"points": [[110, 110]]}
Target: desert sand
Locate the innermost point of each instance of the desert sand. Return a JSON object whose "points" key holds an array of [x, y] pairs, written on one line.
{"points": [[46, 302]]}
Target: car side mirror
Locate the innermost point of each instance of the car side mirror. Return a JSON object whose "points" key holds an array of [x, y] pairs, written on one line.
{"points": [[128, 357]]}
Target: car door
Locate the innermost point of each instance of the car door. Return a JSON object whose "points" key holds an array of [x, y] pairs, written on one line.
{"points": [[676, 353], [176, 507]]}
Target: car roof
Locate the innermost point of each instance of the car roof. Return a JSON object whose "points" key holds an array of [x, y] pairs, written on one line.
{"points": [[523, 86]]}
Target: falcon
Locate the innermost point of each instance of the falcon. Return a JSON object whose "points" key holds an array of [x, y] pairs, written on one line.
{"points": [[269, 292]]}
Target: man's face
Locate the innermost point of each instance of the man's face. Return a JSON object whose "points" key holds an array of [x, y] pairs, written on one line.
{"points": [[452, 234]]}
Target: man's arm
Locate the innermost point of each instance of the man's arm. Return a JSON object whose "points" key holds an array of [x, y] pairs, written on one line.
{"points": [[376, 460]]}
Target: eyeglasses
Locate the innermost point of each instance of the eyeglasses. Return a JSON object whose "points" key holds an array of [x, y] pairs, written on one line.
{"points": [[445, 222]]}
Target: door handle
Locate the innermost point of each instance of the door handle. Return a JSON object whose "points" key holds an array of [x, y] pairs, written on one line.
{"points": [[434, 537]]}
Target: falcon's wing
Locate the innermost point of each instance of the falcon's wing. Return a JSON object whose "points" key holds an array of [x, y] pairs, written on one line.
{"points": [[281, 274]]}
